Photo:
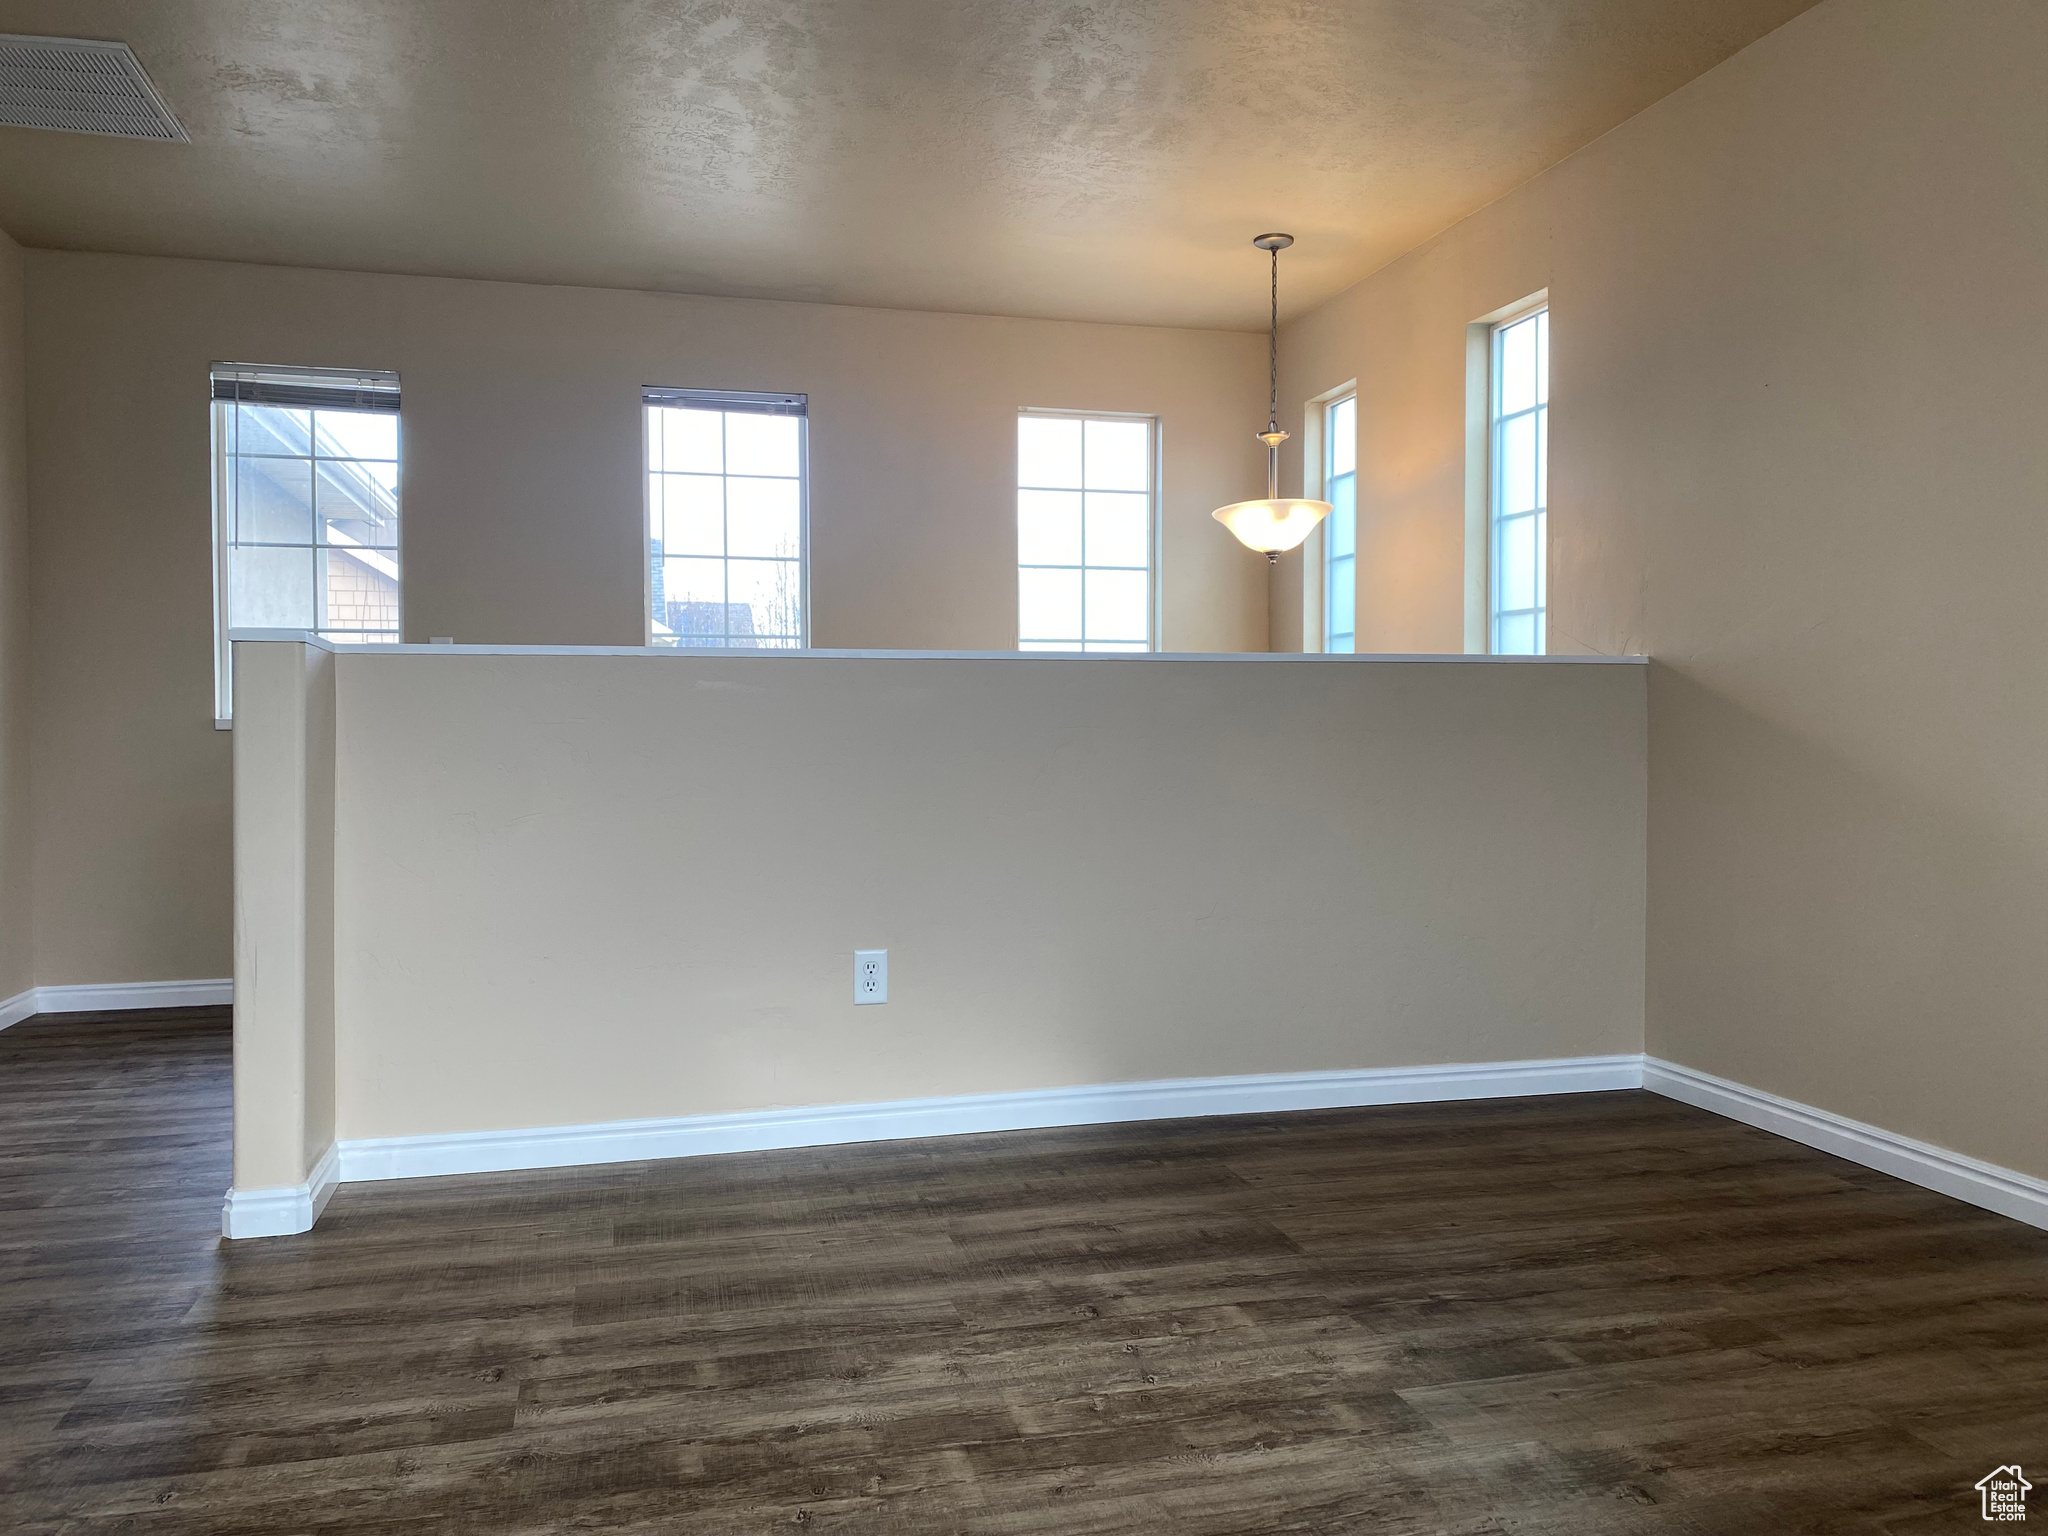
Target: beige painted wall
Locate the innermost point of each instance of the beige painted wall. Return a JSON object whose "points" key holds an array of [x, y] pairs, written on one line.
{"points": [[576, 889], [284, 912], [16, 889], [523, 511], [1799, 385]]}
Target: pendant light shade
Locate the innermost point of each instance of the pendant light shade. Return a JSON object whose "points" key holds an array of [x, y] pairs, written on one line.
{"points": [[1274, 522]]}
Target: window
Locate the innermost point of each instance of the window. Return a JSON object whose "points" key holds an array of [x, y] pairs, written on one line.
{"points": [[1340, 529], [1084, 532], [1520, 426], [726, 519], [306, 522]]}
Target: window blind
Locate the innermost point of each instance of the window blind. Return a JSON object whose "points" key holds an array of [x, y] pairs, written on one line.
{"points": [[727, 400], [334, 389]]}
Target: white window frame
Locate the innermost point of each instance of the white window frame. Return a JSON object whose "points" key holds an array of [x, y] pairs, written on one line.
{"points": [[222, 481], [653, 396], [1327, 453], [1496, 427], [1314, 549], [1155, 639]]}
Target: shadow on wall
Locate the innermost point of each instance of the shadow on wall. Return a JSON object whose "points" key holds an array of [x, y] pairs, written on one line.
{"points": [[1824, 934]]}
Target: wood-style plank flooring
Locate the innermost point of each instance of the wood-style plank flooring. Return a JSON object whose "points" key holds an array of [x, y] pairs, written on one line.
{"points": [[1597, 1314]]}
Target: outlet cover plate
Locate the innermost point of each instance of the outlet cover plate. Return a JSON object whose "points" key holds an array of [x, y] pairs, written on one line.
{"points": [[871, 976]]}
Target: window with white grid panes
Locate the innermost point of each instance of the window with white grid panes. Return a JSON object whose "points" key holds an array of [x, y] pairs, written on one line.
{"points": [[1519, 520], [306, 507], [1340, 528], [725, 520], [1084, 532]]}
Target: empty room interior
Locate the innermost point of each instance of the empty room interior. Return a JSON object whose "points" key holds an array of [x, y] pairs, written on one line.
{"points": [[826, 764]]}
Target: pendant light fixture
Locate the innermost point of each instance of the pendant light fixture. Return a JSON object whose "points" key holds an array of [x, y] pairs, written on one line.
{"points": [[1275, 522]]}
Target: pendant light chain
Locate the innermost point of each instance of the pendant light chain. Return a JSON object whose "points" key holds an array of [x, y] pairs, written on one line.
{"points": [[1273, 351]]}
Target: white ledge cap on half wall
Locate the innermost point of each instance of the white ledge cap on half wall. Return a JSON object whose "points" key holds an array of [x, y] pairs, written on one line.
{"points": [[306, 637]]}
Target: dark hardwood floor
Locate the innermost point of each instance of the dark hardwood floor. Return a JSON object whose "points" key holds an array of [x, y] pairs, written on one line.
{"points": [[1586, 1315]]}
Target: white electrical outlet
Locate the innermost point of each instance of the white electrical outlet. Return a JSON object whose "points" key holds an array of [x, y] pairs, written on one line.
{"points": [[871, 975]]}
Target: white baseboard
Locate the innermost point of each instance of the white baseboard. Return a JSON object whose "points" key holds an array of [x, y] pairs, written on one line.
{"points": [[2018, 1195], [123, 995], [411, 1157], [117, 997], [274, 1212], [282, 1211]]}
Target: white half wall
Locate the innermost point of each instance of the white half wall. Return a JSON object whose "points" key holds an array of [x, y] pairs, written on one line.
{"points": [[575, 890], [582, 889]]}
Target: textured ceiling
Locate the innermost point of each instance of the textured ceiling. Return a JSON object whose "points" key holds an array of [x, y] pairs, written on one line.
{"points": [[1094, 159]]}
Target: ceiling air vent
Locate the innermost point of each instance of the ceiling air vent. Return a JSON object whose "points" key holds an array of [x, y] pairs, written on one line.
{"points": [[76, 85]]}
